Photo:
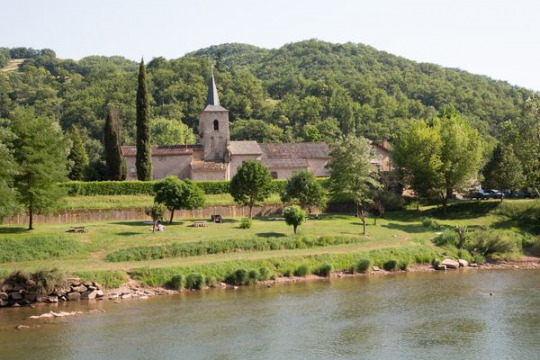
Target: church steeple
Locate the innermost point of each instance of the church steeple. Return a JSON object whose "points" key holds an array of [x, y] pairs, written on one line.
{"points": [[213, 98]]}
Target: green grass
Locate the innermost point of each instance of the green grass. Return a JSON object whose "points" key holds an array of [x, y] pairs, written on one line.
{"points": [[333, 239]]}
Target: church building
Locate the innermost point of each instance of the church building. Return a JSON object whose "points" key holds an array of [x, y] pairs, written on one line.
{"points": [[216, 157]]}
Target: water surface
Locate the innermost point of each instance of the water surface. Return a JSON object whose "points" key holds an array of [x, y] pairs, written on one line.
{"points": [[405, 316]]}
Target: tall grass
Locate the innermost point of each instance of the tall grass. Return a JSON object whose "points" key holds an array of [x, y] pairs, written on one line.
{"points": [[39, 247], [106, 278], [188, 249]]}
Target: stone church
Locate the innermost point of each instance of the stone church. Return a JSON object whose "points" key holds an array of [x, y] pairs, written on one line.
{"points": [[218, 158]]}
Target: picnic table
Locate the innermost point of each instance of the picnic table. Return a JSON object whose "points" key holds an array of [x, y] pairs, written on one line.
{"points": [[77, 229]]}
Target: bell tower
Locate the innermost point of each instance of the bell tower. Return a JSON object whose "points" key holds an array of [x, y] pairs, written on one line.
{"points": [[214, 126]]}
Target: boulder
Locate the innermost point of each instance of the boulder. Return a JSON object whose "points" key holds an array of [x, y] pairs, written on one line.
{"points": [[92, 287], [89, 295], [463, 263], [74, 296], [79, 289], [30, 297], [441, 267], [375, 268], [16, 296], [99, 294], [41, 299], [450, 264], [4, 303], [52, 299], [4, 296]]}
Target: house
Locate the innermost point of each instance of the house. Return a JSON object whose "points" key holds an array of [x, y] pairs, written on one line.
{"points": [[218, 158]]}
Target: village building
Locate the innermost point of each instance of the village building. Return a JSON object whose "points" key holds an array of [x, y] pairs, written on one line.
{"points": [[216, 157]]}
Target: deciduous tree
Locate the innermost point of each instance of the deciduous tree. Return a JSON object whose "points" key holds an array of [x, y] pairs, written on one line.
{"points": [[350, 176], [177, 194], [304, 188], [251, 184], [504, 170], [294, 216]]}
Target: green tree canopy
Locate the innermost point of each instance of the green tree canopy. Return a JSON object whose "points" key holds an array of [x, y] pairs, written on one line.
{"points": [[503, 171], [40, 151], [304, 188], [251, 184], [350, 177], [294, 216], [8, 169], [78, 159], [171, 132], [177, 194]]}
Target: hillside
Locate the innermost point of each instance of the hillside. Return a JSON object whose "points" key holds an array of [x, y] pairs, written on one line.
{"points": [[305, 91]]}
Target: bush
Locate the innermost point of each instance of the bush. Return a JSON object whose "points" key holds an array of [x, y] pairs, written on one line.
{"points": [[390, 265], [246, 223], [479, 259], [288, 272], [301, 271], [448, 237], [436, 263], [363, 265], [403, 264], [195, 281], [465, 255], [211, 281], [264, 273], [252, 277], [177, 282], [324, 270], [238, 277], [430, 223], [494, 242]]}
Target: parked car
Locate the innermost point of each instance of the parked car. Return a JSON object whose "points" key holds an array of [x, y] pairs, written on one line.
{"points": [[479, 194], [495, 194]]}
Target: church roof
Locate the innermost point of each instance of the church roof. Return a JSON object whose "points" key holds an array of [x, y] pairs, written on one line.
{"points": [[213, 97], [285, 163], [162, 150], [317, 150], [244, 148], [208, 166]]}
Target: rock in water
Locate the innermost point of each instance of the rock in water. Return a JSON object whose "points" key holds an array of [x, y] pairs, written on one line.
{"points": [[463, 263], [450, 264]]}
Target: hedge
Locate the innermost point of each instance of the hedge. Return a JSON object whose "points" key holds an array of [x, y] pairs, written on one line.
{"points": [[90, 188]]}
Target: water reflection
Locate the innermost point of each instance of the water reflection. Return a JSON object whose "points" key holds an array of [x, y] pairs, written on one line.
{"points": [[407, 315]]}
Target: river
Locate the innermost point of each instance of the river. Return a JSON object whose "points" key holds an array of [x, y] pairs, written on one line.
{"points": [[467, 314]]}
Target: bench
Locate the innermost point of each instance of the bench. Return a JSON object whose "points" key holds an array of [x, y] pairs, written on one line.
{"points": [[77, 229]]}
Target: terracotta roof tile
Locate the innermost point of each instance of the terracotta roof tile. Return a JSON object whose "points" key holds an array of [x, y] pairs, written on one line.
{"points": [[244, 148], [162, 150], [295, 151], [208, 166]]}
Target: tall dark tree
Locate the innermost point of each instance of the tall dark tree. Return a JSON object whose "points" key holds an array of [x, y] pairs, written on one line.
{"points": [[116, 166], [144, 150], [8, 169], [78, 158], [40, 151]]}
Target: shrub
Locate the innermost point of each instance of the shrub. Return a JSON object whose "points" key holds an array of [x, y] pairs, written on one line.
{"points": [[363, 265], [430, 223], [238, 277], [246, 223], [288, 272], [211, 281], [403, 264], [252, 277], [390, 265], [195, 281], [491, 242], [294, 216], [177, 282], [301, 271], [448, 237], [465, 255], [436, 263], [324, 270], [264, 273], [479, 259]]}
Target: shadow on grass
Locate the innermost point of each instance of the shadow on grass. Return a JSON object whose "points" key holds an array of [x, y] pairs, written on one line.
{"points": [[128, 233], [13, 230], [271, 235], [132, 223], [409, 228], [468, 209]]}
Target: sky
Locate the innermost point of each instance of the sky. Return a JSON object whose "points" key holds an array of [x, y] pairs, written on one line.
{"points": [[496, 38]]}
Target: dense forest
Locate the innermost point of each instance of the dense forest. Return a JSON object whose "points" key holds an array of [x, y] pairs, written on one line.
{"points": [[305, 91]]}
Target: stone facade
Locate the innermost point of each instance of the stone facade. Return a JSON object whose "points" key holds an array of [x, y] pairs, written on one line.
{"points": [[218, 158]]}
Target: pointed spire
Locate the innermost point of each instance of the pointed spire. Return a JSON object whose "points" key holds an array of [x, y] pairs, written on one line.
{"points": [[213, 98]]}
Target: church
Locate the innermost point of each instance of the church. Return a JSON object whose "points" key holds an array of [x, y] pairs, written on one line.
{"points": [[216, 157]]}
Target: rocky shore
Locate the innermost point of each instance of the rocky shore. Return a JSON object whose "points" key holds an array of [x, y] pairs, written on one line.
{"points": [[25, 292]]}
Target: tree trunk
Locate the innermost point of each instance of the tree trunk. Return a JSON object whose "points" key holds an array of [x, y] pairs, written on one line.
{"points": [[250, 210], [375, 220], [30, 217], [172, 215], [364, 223], [154, 226], [294, 229]]}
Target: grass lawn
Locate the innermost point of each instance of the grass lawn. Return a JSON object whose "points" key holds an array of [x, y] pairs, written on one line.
{"points": [[50, 246]]}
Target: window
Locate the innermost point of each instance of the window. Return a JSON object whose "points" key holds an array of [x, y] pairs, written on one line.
{"points": [[273, 174], [216, 125]]}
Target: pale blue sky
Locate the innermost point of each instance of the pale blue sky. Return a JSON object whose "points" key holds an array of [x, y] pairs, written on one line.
{"points": [[495, 38]]}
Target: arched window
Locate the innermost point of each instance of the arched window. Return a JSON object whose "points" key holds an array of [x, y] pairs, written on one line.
{"points": [[216, 125]]}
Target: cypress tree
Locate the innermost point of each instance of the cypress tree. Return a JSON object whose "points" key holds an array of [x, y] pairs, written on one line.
{"points": [[144, 151], [113, 156], [77, 156]]}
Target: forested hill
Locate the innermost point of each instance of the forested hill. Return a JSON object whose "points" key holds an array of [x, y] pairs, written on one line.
{"points": [[305, 91]]}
